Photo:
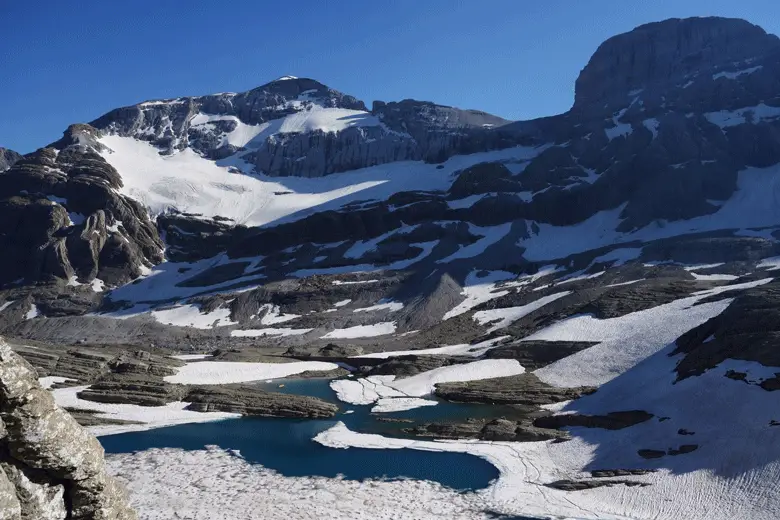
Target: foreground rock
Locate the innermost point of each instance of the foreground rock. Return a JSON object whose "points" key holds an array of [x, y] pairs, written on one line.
{"points": [[488, 430], [50, 467]]}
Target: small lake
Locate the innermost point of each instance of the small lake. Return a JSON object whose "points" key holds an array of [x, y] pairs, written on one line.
{"points": [[286, 445]]}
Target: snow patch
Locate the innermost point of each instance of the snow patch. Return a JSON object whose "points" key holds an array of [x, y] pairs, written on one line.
{"points": [[363, 331], [225, 372], [509, 315]]}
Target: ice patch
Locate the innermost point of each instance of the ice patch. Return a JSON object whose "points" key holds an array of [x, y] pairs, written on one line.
{"points": [[390, 306], [32, 313], [370, 389], [652, 124], [193, 184], [625, 340], [736, 74], [400, 404], [478, 290], [728, 118], [147, 417], [509, 315], [225, 372], [363, 331], [191, 316], [490, 235]]}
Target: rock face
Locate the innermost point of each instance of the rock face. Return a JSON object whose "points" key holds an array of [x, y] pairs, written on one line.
{"points": [[257, 403], [660, 54], [50, 467], [525, 389], [7, 158], [409, 130], [62, 215]]}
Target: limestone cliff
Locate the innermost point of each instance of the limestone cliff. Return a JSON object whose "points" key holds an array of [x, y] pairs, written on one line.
{"points": [[50, 467]]}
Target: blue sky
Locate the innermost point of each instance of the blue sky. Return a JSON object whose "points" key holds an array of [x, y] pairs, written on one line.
{"points": [[65, 62]]}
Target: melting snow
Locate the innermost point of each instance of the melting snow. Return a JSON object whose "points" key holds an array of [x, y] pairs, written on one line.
{"points": [[625, 340], [363, 331], [370, 389], [193, 184], [509, 315], [736, 74], [727, 118], [383, 305], [479, 289]]}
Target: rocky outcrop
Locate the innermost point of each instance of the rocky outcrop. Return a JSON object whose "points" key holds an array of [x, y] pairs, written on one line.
{"points": [[524, 389], [7, 158], [579, 485], [50, 467], [251, 401], [65, 219], [748, 329]]}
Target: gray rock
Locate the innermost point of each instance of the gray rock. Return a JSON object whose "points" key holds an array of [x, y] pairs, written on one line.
{"points": [[610, 421], [10, 508], [746, 330], [7, 158], [56, 467], [524, 389], [252, 401]]}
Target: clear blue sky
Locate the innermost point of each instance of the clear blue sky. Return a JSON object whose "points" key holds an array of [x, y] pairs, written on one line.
{"points": [[71, 61]]}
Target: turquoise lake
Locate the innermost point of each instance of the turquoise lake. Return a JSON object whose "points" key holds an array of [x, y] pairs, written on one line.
{"points": [[286, 445]]}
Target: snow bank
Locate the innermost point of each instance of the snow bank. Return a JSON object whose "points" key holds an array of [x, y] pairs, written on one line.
{"points": [[479, 289], [464, 349], [363, 331], [505, 317], [390, 306], [625, 340], [193, 184], [49, 381], [224, 372], [400, 404]]}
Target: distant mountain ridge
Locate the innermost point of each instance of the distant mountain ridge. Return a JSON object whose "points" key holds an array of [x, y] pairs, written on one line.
{"points": [[673, 135]]}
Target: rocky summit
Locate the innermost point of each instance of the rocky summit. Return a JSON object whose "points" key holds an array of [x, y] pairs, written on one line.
{"points": [[614, 263]]}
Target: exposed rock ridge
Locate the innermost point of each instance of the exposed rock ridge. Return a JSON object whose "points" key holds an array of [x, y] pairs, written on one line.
{"points": [[408, 130], [63, 215], [7, 158], [50, 467]]}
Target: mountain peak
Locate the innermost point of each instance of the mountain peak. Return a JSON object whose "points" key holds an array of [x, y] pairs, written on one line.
{"points": [[665, 52], [286, 78], [7, 158]]}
